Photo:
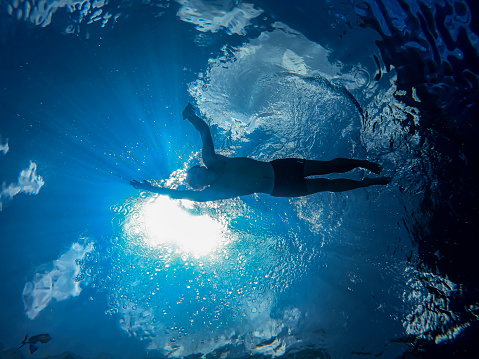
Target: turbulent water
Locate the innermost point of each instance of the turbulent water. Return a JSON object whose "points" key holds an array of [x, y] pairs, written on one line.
{"points": [[91, 98]]}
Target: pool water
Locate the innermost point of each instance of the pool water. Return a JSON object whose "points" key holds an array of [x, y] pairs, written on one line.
{"points": [[91, 98]]}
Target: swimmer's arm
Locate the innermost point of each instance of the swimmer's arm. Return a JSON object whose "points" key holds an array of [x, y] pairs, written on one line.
{"points": [[208, 154], [205, 195], [198, 196]]}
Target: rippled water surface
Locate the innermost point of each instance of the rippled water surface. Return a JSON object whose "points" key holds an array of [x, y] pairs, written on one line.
{"points": [[91, 95]]}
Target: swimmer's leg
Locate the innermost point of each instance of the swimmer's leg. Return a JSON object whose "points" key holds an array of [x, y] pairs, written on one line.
{"points": [[338, 165], [315, 185]]}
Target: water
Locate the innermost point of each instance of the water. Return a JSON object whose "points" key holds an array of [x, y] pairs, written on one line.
{"points": [[91, 97]]}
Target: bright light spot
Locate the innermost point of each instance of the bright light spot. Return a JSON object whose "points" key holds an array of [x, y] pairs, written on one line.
{"points": [[162, 221]]}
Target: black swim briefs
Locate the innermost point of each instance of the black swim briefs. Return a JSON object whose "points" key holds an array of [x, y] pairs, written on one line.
{"points": [[289, 177]]}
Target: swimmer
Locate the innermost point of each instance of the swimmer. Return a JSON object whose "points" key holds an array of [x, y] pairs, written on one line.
{"points": [[224, 177]]}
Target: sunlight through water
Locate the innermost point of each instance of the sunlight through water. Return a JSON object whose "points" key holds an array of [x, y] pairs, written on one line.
{"points": [[92, 94], [162, 221]]}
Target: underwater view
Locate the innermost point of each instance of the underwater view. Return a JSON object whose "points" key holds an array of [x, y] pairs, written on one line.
{"points": [[92, 94]]}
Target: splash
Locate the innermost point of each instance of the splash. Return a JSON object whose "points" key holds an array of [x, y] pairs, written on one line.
{"points": [[281, 90]]}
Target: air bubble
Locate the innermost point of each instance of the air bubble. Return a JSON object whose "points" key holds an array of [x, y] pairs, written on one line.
{"points": [[362, 78]]}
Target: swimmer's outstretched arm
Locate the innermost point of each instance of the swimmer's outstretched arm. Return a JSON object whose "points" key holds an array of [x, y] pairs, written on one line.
{"points": [[198, 196], [208, 153]]}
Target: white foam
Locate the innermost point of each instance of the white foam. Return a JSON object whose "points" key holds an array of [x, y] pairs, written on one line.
{"points": [[4, 148], [277, 85], [58, 283], [241, 77], [213, 16], [28, 182]]}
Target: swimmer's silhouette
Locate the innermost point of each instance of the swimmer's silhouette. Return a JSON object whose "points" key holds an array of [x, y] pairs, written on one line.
{"points": [[225, 177]]}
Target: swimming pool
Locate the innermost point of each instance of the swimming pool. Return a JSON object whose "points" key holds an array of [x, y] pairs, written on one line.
{"points": [[91, 98]]}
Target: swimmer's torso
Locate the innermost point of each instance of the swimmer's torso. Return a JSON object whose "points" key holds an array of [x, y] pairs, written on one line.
{"points": [[242, 176]]}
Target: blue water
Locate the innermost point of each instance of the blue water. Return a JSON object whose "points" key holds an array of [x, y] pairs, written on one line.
{"points": [[91, 98]]}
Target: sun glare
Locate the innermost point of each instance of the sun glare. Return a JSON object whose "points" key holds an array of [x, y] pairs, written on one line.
{"points": [[162, 221]]}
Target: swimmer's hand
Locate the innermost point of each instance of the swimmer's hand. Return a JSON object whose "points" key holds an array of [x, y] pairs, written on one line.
{"points": [[190, 115], [189, 111], [145, 185]]}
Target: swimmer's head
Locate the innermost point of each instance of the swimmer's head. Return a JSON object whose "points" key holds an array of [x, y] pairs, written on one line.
{"points": [[200, 177]]}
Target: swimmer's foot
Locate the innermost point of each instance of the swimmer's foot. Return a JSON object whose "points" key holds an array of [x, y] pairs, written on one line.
{"points": [[373, 167], [368, 181]]}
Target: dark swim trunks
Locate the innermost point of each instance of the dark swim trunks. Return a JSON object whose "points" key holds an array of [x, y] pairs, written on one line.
{"points": [[289, 177]]}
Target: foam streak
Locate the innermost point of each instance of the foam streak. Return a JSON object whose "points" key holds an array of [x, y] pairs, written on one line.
{"points": [[28, 182], [59, 283]]}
